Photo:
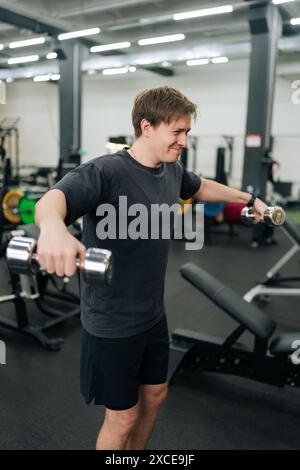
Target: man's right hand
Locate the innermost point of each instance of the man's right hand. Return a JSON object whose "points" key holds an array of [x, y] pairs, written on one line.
{"points": [[58, 250]]}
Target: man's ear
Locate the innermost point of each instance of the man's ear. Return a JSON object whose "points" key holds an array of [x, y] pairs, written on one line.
{"points": [[145, 127]]}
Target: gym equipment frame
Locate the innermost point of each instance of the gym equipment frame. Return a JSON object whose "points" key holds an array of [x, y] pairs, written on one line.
{"points": [[273, 284], [35, 288]]}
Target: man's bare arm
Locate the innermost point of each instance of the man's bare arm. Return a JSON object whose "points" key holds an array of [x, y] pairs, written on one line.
{"points": [[57, 249], [211, 191], [51, 209]]}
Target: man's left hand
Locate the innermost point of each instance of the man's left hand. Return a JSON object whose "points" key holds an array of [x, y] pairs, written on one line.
{"points": [[259, 207]]}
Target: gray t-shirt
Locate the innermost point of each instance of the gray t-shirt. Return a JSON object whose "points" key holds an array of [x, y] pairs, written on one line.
{"points": [[135, 300]]}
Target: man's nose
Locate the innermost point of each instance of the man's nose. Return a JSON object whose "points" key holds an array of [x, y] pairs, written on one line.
{"points": [[183, 140]]}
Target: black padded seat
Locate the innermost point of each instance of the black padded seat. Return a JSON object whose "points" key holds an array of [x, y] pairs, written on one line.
{"points": [[283, 344], [243, 312], [292, 230]]}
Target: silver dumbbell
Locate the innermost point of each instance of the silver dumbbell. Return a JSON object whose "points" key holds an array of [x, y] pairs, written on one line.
{"points": [[272, 215], [97, 266]]}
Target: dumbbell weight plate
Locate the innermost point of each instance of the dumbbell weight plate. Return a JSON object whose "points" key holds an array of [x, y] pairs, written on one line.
{"points": [[247, 215], [98, 267], [19, 255], [274, 216]]}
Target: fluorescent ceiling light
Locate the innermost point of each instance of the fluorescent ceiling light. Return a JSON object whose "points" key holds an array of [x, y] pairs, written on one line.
{"points": [[1, 47], [51, 55], [115, 71], [279, 2], [161, 39], [41, 78], [147, 61], [20, 60], [78, 34], [197, 62], [110, 47], [205, 12], [220, 60], [295, 21], [26, 42], [46, 78]]}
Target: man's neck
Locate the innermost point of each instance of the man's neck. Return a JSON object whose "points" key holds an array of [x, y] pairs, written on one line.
{"points": [[143, 155]]}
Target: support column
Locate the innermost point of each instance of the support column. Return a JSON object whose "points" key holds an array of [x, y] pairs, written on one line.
{"points": [[265, 25], [70, 93]]}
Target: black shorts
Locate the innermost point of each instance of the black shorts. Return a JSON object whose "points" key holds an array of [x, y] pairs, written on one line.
{"points": [[113, 368]]}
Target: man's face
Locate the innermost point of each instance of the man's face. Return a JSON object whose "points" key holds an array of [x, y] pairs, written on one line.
{"points": [[168, 140]]}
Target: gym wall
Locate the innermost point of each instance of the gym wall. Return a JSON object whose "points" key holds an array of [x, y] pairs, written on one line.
{"points": [[221, 92]]}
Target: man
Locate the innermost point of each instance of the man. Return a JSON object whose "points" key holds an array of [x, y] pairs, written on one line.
{"points": [[125, 337]]}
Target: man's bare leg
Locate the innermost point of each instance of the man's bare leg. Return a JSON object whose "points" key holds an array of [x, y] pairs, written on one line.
{"points": [[151, 397], [116, 428]]}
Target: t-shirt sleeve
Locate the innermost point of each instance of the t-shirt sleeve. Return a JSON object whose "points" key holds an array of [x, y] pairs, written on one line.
{"points": [[190, 184], [83, 190]]}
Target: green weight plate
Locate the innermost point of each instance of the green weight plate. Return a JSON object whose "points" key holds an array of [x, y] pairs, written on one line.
{"points": [[26, 210]]}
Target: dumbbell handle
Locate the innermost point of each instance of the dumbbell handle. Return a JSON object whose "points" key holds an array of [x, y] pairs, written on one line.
{"points": [[79, 264]]}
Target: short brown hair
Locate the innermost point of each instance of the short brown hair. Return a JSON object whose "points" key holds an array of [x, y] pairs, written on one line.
{"points": [[157, 105]]}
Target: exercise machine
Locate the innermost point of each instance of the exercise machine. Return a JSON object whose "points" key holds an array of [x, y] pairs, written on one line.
{"points": [[9, 144], [273, 361], [274, 284]]}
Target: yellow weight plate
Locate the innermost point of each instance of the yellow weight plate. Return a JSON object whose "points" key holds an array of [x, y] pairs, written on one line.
{"points": [[10, 205]]}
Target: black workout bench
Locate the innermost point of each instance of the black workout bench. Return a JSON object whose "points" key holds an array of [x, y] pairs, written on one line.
{"points": [[273, 361]]}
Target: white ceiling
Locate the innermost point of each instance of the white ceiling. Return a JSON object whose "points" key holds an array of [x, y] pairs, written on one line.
{"points": [[131, 20]]}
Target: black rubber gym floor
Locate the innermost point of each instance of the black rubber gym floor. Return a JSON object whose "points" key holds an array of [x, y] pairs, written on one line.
{"points": [[41, 406]]}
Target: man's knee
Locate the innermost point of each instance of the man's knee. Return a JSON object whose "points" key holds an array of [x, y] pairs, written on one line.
{"points": [[153, 396], [122, 421]]}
